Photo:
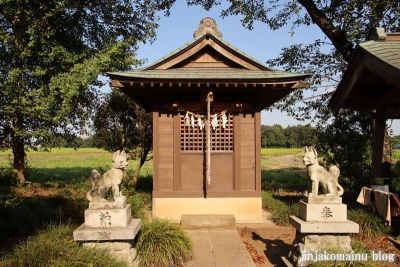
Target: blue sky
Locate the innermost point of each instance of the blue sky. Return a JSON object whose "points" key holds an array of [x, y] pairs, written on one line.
{"points": [[261, 43]]}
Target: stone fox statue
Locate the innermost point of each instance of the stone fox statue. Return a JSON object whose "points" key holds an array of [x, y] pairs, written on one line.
{"points": [[318, 175], [110, 180]]}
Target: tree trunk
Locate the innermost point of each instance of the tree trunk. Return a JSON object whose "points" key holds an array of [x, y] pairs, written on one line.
{"points": [[142, 160], [19, 159]]}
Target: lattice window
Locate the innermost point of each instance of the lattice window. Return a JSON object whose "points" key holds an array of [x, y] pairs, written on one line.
{"points": [[194, 138]]}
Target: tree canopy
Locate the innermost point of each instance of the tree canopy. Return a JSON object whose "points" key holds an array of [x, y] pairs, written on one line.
{"points": [[51, 55], [121, 124]]}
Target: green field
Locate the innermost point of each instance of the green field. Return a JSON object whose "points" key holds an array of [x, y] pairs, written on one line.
{"points": [[66, 164], [280, 151]]}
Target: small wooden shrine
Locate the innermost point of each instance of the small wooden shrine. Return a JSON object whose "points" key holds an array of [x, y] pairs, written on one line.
{"points": [[206, 98], [371, 82]]}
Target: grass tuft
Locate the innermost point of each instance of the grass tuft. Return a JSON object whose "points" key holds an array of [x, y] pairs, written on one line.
{"points": [[54, 246], [162, 243], [371, 224], [281, 211]]}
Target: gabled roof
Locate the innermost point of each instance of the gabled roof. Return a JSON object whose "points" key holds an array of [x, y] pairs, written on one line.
{"points": [[206, 36], [372, 79], [207, 61]]}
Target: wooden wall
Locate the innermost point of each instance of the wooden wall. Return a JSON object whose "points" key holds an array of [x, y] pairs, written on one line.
{"points": [[181, 173]]}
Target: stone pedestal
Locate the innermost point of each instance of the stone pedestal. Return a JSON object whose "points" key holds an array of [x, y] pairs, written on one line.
{"points": [[322, 225], [109, 225]]}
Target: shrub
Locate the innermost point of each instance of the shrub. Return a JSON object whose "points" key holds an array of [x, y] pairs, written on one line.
{"points": [[281, 211], [371, 224], [137, 203], [54, 246], [162, 243]]}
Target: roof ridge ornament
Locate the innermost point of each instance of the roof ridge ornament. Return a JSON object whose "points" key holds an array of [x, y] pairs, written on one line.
{"points": [[207, 25]]}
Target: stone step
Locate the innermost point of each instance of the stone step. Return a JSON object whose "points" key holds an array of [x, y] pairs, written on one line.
{"points": [[192, 221]]}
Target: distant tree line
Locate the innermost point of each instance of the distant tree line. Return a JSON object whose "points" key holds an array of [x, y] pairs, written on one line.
{"points": [[290, 137]]}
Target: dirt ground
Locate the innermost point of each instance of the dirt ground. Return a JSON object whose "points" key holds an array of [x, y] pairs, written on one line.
{"points": [[267, 242]]}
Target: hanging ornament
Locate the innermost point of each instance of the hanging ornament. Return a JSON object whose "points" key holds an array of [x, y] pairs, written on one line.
{"points": [[214, 122], [187, 119], [224, 120], [192, 121], [200, 124]]}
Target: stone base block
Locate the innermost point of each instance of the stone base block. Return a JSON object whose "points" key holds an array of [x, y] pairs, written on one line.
{"points": [[322, 199], [326, 212], [119, 203], [207, 220], [85, 234], [108, 218], [121, 250], [323, 227], [313, 247]]}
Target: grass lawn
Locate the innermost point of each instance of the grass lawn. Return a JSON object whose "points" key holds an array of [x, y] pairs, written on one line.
{"points": [[66, 164], [279, 151]]}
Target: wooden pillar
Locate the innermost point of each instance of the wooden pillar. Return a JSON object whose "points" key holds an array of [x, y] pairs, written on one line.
{"points": [[377, 147], [156, 152], [237, 150]]}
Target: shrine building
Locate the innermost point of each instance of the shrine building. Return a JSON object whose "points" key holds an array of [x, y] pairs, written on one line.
{"points": [[206, 98]]}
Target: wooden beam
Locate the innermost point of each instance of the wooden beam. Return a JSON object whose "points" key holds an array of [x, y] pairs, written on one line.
{"points": [[115, 83], [377, 147], [182, 56]]}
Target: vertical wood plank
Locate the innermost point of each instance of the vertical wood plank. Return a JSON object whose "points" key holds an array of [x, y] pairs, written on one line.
{"points": [[177, 152], [237, 151]]}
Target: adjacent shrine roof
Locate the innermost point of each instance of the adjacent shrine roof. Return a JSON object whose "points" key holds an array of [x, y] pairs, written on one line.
{"points": [[207, 61], [372, 79]]}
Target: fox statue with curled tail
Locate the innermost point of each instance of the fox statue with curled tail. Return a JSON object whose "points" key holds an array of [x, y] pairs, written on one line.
{"points": [[110, 180], [319, 175]]}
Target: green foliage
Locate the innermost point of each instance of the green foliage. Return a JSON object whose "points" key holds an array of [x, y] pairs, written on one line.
{"points": [[52, 53], [121, 124], [283, 180], [371, 224], [164, 244], [137, 205], [7, 194], [346, 143], [395, 177], [281, 211], [54, 246], [290, 137]]}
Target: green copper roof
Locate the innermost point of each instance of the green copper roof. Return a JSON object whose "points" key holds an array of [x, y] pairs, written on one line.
{"points": [[388, 52], [209, 74]]}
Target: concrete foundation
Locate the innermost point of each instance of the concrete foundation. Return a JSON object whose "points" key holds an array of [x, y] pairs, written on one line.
{"points": [[208, 221], [245, 210]]}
